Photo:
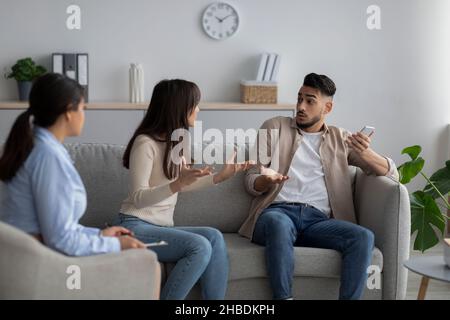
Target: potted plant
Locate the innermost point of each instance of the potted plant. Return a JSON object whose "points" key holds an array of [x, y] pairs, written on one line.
{"points": [[25, 71], [428, 206]]}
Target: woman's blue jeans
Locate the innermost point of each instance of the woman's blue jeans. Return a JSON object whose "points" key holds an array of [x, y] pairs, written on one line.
{"points": [[199, 253]]}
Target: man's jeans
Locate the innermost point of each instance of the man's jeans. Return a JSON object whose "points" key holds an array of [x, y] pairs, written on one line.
{"points": [[282, 226]]}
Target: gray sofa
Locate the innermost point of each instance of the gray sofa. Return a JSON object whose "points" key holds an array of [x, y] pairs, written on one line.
{"points": [[382, 206]]}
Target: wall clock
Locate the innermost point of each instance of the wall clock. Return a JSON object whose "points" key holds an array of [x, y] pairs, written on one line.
{"points": [[220, 20]]}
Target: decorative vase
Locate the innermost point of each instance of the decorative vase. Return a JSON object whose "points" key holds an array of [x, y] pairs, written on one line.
{"points": [[24, 89], [136, 83], [447, 251]]}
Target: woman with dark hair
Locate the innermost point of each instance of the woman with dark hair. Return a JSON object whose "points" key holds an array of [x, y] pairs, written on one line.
{"points": [[199, 253], [44, 195]]}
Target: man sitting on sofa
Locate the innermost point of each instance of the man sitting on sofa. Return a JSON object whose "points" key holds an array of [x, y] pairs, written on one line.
{"points": [[307, 200]]}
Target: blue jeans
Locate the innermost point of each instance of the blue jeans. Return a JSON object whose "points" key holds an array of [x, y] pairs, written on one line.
{"points": [[199, 253], [282, 226]]}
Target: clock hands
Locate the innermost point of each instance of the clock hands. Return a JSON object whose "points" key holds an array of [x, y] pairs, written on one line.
{"points": [[221, 20], [226, 17]]}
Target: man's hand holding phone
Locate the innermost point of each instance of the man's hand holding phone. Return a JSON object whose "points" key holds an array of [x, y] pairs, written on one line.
{"points": [[368, 131], [360, 141]]}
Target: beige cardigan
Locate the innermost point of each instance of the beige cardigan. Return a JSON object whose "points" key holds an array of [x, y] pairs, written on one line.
{"points": [[150, 197], [335, 156]]}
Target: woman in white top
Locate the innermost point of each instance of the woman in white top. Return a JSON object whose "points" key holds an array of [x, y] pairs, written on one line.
{"points": [[199, 253]]}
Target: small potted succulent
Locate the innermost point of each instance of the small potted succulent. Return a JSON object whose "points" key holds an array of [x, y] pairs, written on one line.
{"points": [[25, 71]]}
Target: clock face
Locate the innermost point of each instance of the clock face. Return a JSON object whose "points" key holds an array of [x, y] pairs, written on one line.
{"points": [[220, 21]]}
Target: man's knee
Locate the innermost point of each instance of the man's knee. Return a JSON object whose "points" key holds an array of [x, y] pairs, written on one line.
{"points": [[364, 237], [278, 227]]}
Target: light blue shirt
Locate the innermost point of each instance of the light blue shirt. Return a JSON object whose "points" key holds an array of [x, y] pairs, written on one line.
{"points": [[47, 197]]}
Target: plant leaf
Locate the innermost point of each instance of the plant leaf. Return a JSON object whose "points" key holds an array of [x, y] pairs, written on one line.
{"points": [[410, 169], [412, 151], [441, 179], [26, 70], [424, 214]]}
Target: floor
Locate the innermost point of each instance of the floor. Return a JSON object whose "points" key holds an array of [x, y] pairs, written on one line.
{"points": [[437, 290]]}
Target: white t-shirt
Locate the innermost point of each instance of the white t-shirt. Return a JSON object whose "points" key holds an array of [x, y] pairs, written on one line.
{"points": [[306, 181]]}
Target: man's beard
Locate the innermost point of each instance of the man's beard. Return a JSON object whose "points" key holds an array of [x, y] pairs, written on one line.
{"points": [[308, 124]]}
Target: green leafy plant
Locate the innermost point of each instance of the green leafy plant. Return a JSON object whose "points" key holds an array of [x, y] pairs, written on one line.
{"points": [[25, 70], [426, 215]]}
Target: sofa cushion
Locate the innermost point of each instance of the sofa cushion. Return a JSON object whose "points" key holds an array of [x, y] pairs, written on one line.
{"points": [[247, 260], [105, 180], [224, 206]]}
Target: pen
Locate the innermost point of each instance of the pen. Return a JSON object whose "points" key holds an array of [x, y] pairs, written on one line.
{"points": [[159, 243]]}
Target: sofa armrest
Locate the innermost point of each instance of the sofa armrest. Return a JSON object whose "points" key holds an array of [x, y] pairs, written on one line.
{"points": [[29, 270], [382, 205], [131, 274]]}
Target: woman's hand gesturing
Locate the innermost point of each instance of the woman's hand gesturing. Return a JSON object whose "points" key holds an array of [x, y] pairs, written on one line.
{"points": [[188, 176], [230, 168]]}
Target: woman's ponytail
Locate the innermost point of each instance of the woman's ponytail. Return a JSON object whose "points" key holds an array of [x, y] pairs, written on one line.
{"points": [[51, 96], [17, 147]]}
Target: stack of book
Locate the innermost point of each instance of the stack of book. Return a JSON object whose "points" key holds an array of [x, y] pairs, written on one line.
{"points": [[268, 67]]}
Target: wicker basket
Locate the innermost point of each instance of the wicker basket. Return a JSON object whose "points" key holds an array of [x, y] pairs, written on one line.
{"points": [[259, 92]]}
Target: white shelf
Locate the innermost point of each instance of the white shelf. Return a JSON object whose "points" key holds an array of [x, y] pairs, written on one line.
{"points": [[16, 105]]}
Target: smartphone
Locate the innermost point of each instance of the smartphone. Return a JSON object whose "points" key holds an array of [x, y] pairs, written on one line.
{"points": [[154, 244], [368, 130]]}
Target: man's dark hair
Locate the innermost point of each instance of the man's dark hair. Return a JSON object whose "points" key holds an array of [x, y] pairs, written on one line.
{"points": [[321, 82]]}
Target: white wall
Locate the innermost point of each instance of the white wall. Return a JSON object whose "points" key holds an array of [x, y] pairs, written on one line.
{"points": [[396, 79]]}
